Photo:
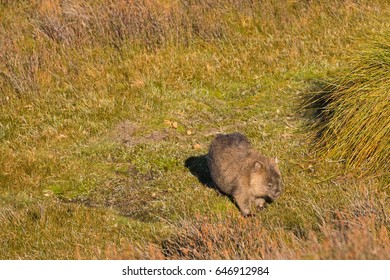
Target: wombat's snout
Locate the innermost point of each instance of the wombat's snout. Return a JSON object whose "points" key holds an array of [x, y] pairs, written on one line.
{"points": [[274, 196], [271, 198]]}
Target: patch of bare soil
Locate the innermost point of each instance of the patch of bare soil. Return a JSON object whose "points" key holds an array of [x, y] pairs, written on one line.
{"points": [[126, 133]]}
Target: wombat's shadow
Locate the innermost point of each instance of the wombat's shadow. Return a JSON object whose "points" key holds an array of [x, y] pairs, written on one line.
{"points": [[316, 105], [198, 167]]}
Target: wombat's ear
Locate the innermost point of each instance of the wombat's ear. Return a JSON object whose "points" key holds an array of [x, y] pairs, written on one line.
{"points": [[276, 160], [258, 166]]}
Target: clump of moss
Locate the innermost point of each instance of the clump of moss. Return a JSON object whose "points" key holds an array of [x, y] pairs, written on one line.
{"points": [[352, 120]]}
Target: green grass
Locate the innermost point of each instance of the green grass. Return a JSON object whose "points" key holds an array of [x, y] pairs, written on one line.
{"points": [[91, 166]]}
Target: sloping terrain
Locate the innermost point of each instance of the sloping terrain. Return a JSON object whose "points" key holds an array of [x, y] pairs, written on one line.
{"points": [[107, 109]]}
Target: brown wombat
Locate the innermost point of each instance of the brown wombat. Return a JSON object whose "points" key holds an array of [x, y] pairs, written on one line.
{"points": [[243, 173]]}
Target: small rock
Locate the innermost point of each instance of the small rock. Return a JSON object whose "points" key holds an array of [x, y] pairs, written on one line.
{"points": [[197, 146]]}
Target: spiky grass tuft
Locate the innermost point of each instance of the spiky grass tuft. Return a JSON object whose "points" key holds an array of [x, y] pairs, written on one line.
{"points": [[353, 114]]}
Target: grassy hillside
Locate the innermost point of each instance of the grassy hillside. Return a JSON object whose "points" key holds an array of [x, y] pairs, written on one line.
{"points": [[107, 107]]}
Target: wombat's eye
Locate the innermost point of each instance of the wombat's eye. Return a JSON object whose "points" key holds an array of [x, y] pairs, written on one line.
{"points": [[269, 185]]}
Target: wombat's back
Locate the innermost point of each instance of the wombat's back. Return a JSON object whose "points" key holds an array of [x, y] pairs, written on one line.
{"points": [[226, 155]]}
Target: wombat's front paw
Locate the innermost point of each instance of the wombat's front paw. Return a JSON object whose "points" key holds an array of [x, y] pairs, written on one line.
{"points": [[261, 207], [250, 215], [245, 212], [260, 203]]}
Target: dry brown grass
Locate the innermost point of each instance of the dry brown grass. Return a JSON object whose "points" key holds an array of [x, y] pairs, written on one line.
{"points": [[342, 236], [154, 24], [144, 23]]}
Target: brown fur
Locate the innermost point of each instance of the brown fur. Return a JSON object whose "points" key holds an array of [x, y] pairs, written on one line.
{"points": [[243, 173]]}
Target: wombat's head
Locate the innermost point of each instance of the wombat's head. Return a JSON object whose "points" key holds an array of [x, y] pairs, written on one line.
{"points": [[266, 180]]}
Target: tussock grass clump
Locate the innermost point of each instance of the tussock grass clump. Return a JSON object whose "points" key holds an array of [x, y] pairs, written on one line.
{"points": [[352, 112]]}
